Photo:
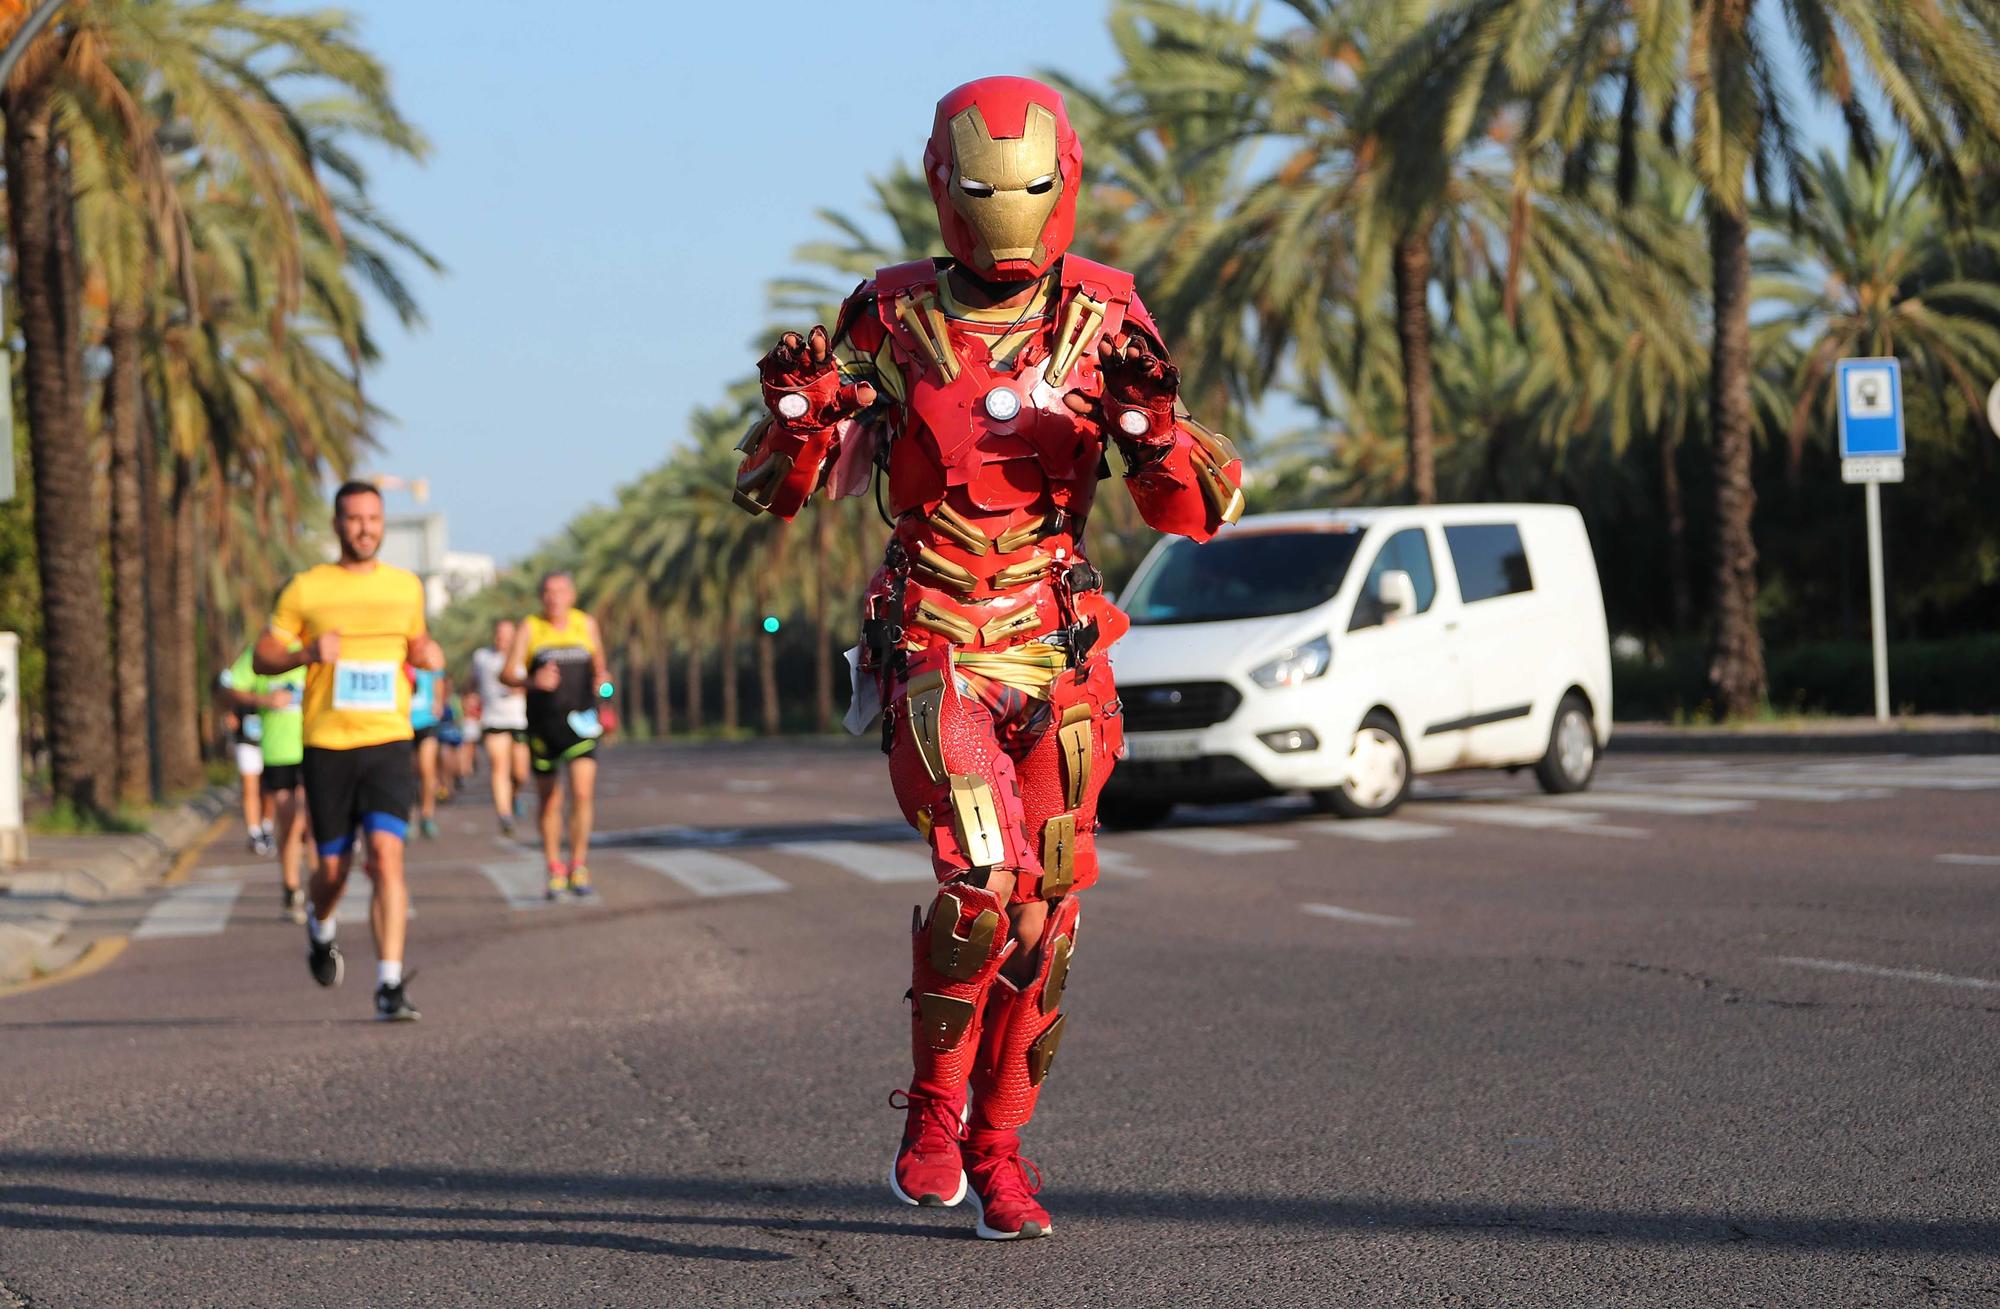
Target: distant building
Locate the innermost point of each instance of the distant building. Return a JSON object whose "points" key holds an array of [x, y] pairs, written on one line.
{"points": [[419, 542]]}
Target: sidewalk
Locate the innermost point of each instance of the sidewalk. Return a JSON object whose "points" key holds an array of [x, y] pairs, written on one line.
{"points": [[64, 875], [1918, 735]]}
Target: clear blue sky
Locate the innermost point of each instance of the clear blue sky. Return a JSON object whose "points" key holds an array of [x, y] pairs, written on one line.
{"points": [[610, 197]]}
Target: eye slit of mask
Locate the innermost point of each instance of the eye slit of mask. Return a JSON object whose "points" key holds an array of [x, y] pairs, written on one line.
{"points": [[1041, 185], [977, 190]]}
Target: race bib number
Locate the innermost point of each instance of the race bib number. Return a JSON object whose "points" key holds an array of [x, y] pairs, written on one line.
{"points": [[584, 723], [365, 686]]}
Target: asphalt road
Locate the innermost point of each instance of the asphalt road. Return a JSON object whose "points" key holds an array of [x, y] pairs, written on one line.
{"points": [[1721, 1033]]}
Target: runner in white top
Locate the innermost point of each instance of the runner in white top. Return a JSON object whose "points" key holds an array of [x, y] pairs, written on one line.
{"points": [[503, 723]]}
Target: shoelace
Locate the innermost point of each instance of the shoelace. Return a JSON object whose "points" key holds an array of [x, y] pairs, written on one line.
{"points": [[1023, 1175], [935, 1115]]}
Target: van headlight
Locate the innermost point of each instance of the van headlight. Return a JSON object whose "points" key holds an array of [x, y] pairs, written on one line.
{"points": [[1296, 666]]}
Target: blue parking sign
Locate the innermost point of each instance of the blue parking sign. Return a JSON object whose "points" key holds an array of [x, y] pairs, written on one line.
{"points": [[1870, 392]]}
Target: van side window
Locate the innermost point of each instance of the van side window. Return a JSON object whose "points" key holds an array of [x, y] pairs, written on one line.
{"points": [[1490, 559], [1408, 551]]}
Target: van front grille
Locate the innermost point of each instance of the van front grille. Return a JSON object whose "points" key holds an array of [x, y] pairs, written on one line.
{"points": [[1177, 706]]}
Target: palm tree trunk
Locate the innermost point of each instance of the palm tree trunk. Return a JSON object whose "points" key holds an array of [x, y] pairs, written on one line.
{"points": [[729, 669], [628, 684], [663, 703], [1736, 667], [1413, 334], [770, 567], [67, 544], [691, 675], [122, 398], [180, 704], [1676, 510], [823, 648], [158, 577]]}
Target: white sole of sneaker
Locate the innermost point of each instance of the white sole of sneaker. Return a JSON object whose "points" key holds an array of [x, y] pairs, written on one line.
{"points": [[897, 1190], [985, 1233]]}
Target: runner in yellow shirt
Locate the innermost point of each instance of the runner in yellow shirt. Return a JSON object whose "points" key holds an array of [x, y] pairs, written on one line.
{"points": [[353, 625]]}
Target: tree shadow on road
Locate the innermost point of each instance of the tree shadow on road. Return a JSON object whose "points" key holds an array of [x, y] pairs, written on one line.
{"points": [[818, 1207]]}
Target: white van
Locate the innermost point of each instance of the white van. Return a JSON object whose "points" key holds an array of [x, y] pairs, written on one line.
{"points": [[1343, 652]]}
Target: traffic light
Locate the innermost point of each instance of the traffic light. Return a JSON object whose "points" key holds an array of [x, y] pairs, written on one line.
{"points": [[771, 624]]}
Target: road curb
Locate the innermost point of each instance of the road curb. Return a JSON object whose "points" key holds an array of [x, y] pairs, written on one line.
{"points": [[38, 904], [1647, 739]]}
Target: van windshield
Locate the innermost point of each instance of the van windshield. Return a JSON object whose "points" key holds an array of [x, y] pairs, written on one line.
{"points": [[1242, 575]]}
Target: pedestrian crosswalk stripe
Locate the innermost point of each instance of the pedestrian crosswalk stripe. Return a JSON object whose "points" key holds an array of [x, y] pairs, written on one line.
{"points": [[1684, 806], [875, 863], [709, 874], [1742, 789], [1536, 817], [1971, 860], [1378, 829], [1356, 916], [1223, 840], [523, 884], [1118, 863], [196, 909]]}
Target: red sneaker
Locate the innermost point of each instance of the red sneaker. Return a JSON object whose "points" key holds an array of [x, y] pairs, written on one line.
{"points": [[928, 1169], [1004, 1186]]}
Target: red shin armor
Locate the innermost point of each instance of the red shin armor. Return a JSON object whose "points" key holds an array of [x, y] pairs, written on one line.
{"points": [[956, 951], [1022, 1029]]}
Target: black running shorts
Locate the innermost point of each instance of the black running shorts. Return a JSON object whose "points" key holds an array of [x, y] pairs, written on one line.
{"points": [[282, 777], [372, 787]]}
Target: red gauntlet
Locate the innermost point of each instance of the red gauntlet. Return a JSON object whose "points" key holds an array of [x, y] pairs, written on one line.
{"points": [[786, 454]]}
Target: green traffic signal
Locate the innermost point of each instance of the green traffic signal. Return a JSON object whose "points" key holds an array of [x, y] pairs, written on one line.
{"points": [[771, 623]]}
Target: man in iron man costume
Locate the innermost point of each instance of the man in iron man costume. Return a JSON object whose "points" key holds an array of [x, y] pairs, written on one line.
{"points": [[989, 385]]}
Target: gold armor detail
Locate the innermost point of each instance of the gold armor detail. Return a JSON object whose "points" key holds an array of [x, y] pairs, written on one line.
{"points": [[1042, 1054], [1213, 452], [924, 824], [1030, 667], [944, 1019], [945, 623], [1025, 619], [960, 957], [948, 521], [976, 819], [1058, 856], [1026, 571], [1015, 537], [889, 374], [1074, 738], [756, 485], [754, 435], [925, 702], [925, 323], [1052, 990], [1006, 189], [935, 568], [1082, 316], [1220, 449]]}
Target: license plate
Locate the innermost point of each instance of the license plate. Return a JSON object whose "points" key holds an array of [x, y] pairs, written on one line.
{"points": [[1153, 747]]}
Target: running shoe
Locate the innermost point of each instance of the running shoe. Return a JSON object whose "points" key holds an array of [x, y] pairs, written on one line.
{"points": [[507, 825], [579, 882], [392, 1006], [295, 905], [558, 882], [324, 960], [929, 1169], [429, 828], [1003, 1190], [261, 843]]}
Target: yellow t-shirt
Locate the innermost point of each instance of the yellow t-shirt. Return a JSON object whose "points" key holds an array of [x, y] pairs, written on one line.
{"points": [[363, 698]]}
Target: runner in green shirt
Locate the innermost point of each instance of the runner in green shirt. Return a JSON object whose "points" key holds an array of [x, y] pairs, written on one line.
{"points": [[277, 700]]}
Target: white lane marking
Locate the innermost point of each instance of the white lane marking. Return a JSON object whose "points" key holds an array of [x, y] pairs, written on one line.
{"points": [[1896, 974], [1974, 860], [1378, 829], [195, 909], [708, 874], [876, 863], [1632, 802], [1118, 863], [1221, 840], [1739, 789], [240, 872], [1906, 779], [749, 785], [1534, 817], [1356, 916], [523, 884]]}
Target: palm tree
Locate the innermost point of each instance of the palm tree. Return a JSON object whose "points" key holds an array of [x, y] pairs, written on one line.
{"points": [[1559, 63]]}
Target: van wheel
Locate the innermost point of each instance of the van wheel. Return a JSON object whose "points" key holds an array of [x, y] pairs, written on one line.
{"points": [[1378, 772], [1132, 813], [1571, 759]]}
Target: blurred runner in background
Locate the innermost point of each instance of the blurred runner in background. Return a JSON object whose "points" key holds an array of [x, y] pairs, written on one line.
{"points": [[275, 704], [558, 657], [503, 724], [427, 690]]}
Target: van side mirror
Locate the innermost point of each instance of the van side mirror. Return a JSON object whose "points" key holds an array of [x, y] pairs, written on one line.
{"points": [[1396, 593]]}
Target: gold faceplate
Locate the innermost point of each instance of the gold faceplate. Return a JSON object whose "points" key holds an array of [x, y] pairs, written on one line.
{"points": [[1025, 619], [935, 568], [1081, 318], [948, 521], [960, 957], [1074, 738], [1026, 571], [1007, 216], [1015, 537], [1042, 1054], [945, 623], [1058, 856], [944, 1020], [925, 700], [1052, 990], [977, 821]]}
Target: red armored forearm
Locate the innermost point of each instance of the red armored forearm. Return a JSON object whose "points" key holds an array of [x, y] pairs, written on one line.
{"points": [[786, 454], [1185, 479]]}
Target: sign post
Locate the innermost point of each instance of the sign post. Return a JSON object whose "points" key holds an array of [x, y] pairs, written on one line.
{"points": [[1870, 392]]}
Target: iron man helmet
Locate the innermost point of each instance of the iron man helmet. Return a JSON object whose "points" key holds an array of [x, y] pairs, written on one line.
{"points": [[1004, 167]]}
